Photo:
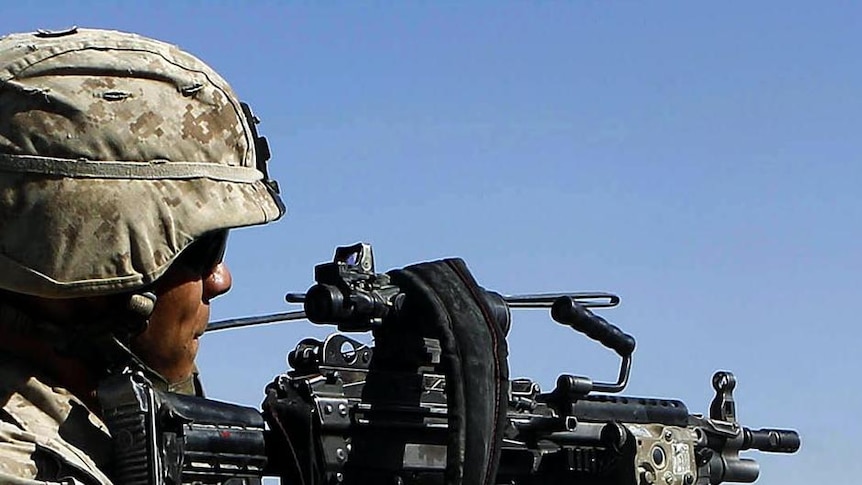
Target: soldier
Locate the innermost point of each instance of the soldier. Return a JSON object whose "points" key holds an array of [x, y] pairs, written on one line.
{"points": [[123, 163]]}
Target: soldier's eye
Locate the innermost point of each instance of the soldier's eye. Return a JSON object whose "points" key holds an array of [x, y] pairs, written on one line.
{"points": [[201, 256]]}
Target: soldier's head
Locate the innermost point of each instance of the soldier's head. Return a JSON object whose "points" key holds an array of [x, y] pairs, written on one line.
{"points": [[124, 161]]}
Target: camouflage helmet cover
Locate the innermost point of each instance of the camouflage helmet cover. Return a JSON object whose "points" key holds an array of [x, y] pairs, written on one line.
{"points": [[116, 152]]}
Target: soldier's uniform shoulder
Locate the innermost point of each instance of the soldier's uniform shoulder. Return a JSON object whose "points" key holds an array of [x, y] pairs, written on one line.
{"points": [[47, 435]]}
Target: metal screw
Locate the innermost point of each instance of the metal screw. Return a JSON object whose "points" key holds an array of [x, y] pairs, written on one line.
{"points": [[668, 478], [668, 435], [647, 476], [689, 479], [340, 454], [339, 477], [342, 409], [327, 408]]}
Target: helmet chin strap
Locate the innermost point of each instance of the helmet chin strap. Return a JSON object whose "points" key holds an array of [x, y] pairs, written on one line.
{"points": [[141, 306], [122, 359], [112, 345], [103, 343]]}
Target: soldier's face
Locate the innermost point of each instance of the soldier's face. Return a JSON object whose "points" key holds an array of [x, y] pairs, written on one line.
{"points": [[170, 342]]}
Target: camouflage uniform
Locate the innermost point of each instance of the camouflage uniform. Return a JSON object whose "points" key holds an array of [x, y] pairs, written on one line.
{"points": [[46, 433], [116, 153]]}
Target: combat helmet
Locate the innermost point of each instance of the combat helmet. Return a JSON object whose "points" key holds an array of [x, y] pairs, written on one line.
{"points": [[117, 152]]}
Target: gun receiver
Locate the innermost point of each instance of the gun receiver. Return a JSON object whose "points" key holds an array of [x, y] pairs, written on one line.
{"points": [[580, 432], [160, 438], [357, 423]]}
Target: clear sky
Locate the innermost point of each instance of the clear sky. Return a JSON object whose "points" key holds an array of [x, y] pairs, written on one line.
{"points": [[701, 160]]}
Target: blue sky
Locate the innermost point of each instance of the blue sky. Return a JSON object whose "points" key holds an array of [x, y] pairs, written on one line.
{"points": [[701, 160]]}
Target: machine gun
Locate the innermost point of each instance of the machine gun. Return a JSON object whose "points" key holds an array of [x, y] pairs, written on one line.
{"points": [[378, 424], [348, 413]]}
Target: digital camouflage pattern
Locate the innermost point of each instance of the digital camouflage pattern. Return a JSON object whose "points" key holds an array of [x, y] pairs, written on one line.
{"points": [[116, 152], [47, 435]]}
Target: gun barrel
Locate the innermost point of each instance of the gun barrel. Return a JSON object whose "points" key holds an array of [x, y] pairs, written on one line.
{"points": [[592, 299], [587, 299], [246, 321], [739, 470], [771, 440]]}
